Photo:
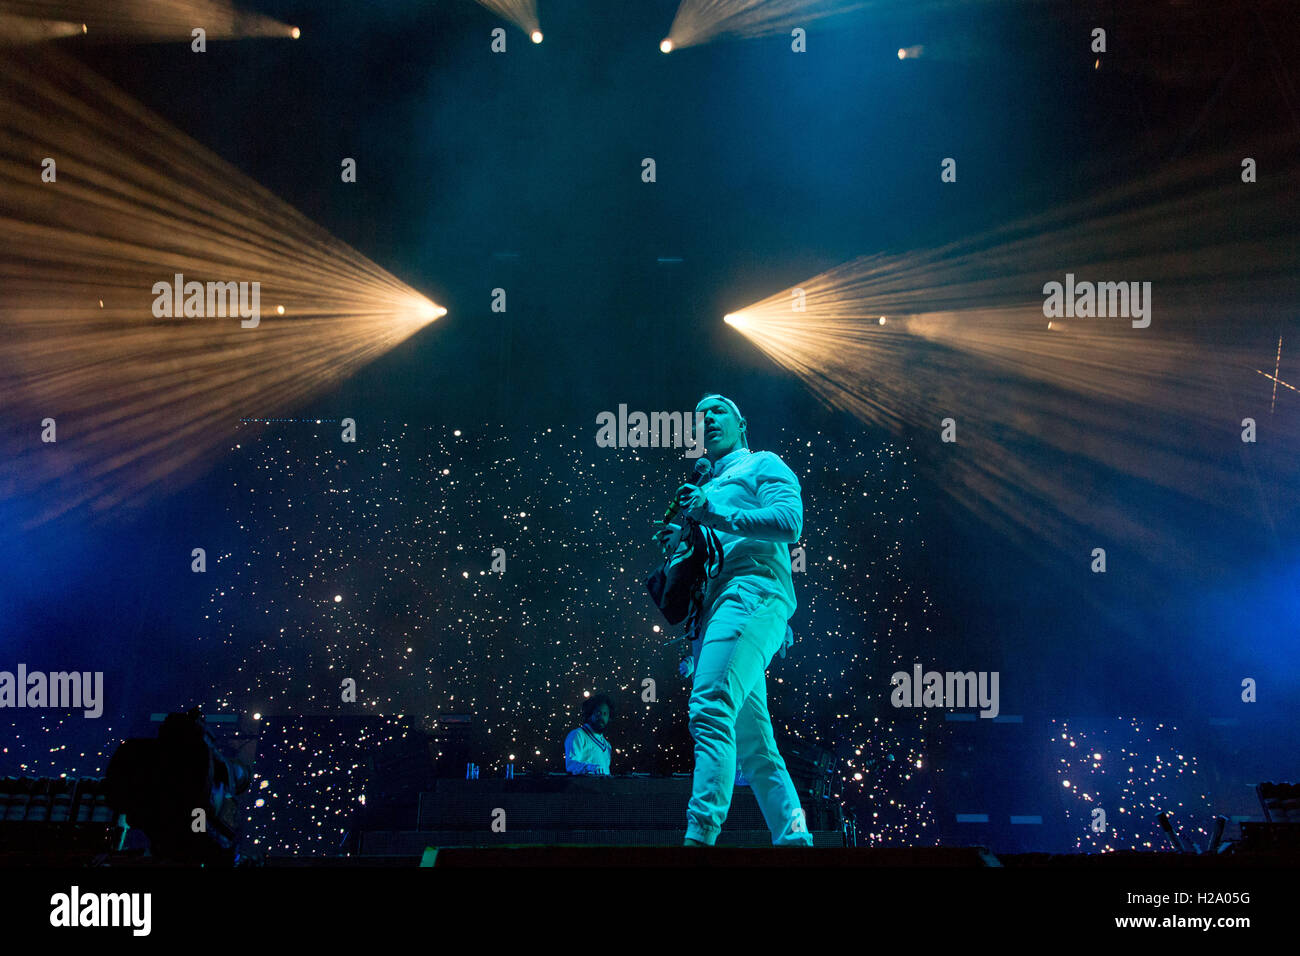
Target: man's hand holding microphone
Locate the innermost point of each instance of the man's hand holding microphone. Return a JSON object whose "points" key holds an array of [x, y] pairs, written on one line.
{"points": [[687, 500]]}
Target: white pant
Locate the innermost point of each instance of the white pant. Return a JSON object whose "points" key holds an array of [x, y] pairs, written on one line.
{"points": [[743, 630]]}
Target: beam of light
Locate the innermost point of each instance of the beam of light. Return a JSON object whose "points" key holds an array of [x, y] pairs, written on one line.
{"points": [[1276, 382], [911, 52], [1277, 368], [522, 13], [17, 31], [1048, 419], [701, 21], [140, 402], [140, 20]]}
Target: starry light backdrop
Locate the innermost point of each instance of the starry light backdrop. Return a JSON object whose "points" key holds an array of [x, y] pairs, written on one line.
{"points": [[372, 561], [1134, 770]]}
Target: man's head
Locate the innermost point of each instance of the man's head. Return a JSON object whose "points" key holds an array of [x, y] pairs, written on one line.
{"points": [[724, 428], [596, 712]]}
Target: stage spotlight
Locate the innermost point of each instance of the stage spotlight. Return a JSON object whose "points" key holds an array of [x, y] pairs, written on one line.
{"points": [[702, 21], [147, 21], [735, 319], [427, 311], [882, 320], [162, 396], [666, 46], [1098, 395], [902, 54], [522, 13], [20, 30], [295, 32]]}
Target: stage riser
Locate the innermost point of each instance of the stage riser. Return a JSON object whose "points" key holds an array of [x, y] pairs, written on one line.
{"points": [[746, 858], [413, 843], [586, 803], [558, 814]]}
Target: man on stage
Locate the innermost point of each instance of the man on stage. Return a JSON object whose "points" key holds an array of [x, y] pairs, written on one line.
{"points": [[585, 749], [753, 505]]}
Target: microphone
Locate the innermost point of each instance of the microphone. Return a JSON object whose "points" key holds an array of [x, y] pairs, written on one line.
{"points": [[702, 473]]}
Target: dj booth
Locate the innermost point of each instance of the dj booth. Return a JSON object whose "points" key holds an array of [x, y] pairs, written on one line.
{"points": [[564, 809]]}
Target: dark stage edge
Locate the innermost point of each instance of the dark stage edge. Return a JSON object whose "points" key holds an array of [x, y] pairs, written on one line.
{"points": [[584, 856], [413, 842], [595, 856]]}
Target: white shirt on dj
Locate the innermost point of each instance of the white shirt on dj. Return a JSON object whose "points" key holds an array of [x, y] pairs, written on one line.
{"points": [[586, 751]]}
